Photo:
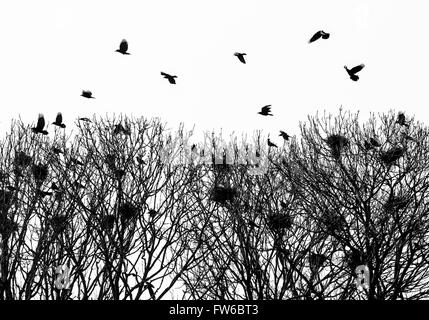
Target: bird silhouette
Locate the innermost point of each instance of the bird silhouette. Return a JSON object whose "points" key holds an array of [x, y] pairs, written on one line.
{"points": [[123, 47], [284, 135], [270, 144], [319, 34], [169, 77], [87, 94], [85, 119], [59, 121], [54, 186], [401, 120], [265, 111], [40, 125], [352, 72], [56, 150], [374, 142], [140, 160], [240, 56]]}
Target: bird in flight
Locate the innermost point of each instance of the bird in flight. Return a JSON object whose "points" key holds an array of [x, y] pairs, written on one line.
{"points": [[40, 125], [240, 56], [401, 120], [270, 144], [265, 111], [59, 121], [352, 72], [169, 77], [123, 47], [284, 135], [319, 34], [87, 94]]}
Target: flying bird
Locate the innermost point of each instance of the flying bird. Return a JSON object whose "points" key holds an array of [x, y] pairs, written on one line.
{"points": [[240, 56], [87, 94], [169, 77], [265, 111], [284, 135], [352, 72], [40, 125], [270, 144], [319, 34], [123, 47], [59, 121]]}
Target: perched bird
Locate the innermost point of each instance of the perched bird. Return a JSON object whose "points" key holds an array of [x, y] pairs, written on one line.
{"points": [[401, 120], [54, 186], [40, 125], [368, 146], [152, 213], [85, 119], [284, 135], [316, 261], [374, 142], [59, 121], [87, 94], [352, 72], [56, 150], [123, 47], [140, 160], [270, 144], [119, 128], [169, 77], [319, 34], [265, 111], [240, 56]]}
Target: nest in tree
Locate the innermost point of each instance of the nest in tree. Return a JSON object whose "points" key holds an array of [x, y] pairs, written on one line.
{"points": [[337, 143], [354, 258], [22, 159], [395, 203], [108, 222], [58, 224], [127, 211], [40, 172], [5, 199], [7, 226], [280, 221], [222, 194], [334, 222], [393, 154], [316, 261]]}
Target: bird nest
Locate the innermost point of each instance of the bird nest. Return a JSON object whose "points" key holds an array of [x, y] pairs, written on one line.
{"points": [[337, 143], [5, 199], [393, 154], [222, 194], [127, 211], [40, 172], [395, 203], [279, 221], [58, 224], [316, 261], [22, 159], [7, 226], [108, 222]]}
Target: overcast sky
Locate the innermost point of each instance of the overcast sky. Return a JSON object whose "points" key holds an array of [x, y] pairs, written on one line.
{"points": [[51, 50]]}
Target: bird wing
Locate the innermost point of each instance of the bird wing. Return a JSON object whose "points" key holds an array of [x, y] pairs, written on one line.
{"points": [[171, 80], [241, 58], [164, 74], [316, 36], [59, 118], [40, 122], [357, 68], [266, 108], [123, 46]]}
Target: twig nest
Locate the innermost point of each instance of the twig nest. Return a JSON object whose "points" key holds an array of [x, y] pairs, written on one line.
{"points": [[108, 222], [127, 211], [316, 261], [40, 172], [337, 143], [393, 154], [7, 226], [395, 203], [58, 224], [222, 194], [280, 221], [22, 159]]}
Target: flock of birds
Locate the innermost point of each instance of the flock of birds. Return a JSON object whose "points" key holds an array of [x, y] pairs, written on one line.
{"points": [[265, 111]]}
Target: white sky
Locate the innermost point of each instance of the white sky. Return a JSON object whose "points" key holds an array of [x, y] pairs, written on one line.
{"points": [[51, 50]]}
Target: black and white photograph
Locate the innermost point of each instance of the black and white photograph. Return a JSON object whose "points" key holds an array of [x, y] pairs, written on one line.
{"points": [[227, 152]]}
